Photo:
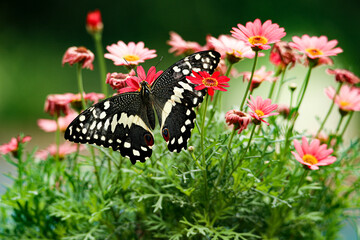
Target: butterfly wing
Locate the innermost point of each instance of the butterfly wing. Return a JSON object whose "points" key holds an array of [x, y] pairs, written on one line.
{"points": [[175, 97], [119, 122]]}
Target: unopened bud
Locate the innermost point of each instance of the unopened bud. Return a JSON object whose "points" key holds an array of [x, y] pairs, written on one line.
{"points": [[292, 86]]}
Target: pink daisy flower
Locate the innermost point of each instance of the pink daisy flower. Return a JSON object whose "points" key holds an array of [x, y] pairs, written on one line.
{"points": [[232, 48], [260, 76], [118, 80], [348, 98], [79, 55], [130, 54], [240, 120], [133, 83], [13, 145], [48, 125], [312, 155], [315, 47], [261, 109], [180, 46], [342, 75], [283, 55], [258, 35], [64, 149], [57, 103], [210, 82], [88, 97]]}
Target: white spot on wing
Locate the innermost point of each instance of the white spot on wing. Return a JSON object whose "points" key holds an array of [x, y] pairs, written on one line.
{"points": [[106, 105], [99, 125], [183, 129], [185, 71], [107, 124], [102, 115], [143, 148], [114, 123], [136, 152], [127, 145], [93, 125], [197, 56], [186, 86], [187, 122], [103, 138], [84, 130], [82, 118], [180, 140], [176, 69], [173, 141], [211, 55]]}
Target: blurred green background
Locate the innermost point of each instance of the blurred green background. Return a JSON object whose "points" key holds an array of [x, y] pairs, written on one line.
{"points": [[35, 34]]}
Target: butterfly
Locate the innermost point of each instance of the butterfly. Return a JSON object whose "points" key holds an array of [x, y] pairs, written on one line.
{"points": [[124, 121]]}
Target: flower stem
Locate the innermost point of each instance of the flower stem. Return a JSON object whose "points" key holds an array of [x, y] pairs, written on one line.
{"points": [[280, 85], [306, 82], [301, 182], [347, 123], [226, 157], [81, 85], [250, 80], [101, 61], [339, 124], [57, 136], [330, 109], [202, 136], [244, 152]]}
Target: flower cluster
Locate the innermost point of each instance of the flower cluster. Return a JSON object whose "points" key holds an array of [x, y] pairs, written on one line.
{"points": [[13, 145]]}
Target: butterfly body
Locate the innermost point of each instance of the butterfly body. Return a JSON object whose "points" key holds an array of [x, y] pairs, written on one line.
{"points": [[124, 122]]}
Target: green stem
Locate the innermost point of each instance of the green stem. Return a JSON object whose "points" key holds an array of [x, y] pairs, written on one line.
{"points": [[280, 85], [339, 124], [229, 69], [301, 182], [96, 169], [330, 109], [226, 157], [57, 136], [246, 149], [250, 80], [202, 137], [347, 123], [307, 78], [101, 62], [80, 85]]}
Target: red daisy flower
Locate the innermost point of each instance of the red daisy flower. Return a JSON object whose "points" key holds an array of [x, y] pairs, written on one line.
{"points": [[133, 82], [211, 82]]}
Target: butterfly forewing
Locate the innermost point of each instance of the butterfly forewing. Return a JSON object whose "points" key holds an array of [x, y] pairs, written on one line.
{"points": [[119, 122], [175, 97]]}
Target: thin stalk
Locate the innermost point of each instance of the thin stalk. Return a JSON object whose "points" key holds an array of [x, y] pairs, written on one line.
{"points": [[347, 123], [101, 62], [80, 85], [250, 80], [202, 136], [226, 157], [246, 149], [330, 109], [229, 69], [93, 157], [339, 124], [57, 136], [280, 85], [301, 182], [307, 78]]}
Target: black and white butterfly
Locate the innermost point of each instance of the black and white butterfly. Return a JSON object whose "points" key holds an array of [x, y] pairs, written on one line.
{"points": [[124, 121]]}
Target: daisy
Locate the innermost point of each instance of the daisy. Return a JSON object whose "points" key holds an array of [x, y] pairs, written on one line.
{"points": [[231, 48], [315, 47], [58, 103], [312, 155], [180, 46], [79, 55], [133, 82], [130, 54], [261, 109], [342, 75], [118, 80], [258, 35], [63, 150], [260, 76], [240, 120], [48, 125], [348, 98], [13, 145], [210, 82]]}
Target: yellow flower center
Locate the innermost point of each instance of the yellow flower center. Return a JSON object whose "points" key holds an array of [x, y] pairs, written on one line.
{"points": [[131, 58], [308, 158], [210, 82], [258, 40], [259, 113], [314, 51], [344, 103]]}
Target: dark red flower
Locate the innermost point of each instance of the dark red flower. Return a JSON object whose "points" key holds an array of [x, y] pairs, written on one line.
{"points": [[240, 120], [94, 22]]}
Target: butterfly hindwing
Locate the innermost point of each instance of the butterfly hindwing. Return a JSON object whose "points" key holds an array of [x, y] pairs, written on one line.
{"points": [[176, 97], [119, 122]]}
